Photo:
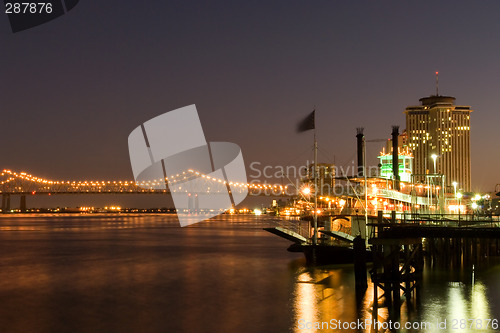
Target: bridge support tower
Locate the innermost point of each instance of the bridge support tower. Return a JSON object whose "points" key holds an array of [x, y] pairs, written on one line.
{"points": [[22, 204], [5, 203]]}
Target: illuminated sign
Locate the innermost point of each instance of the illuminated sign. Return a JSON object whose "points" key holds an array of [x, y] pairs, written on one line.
{"points": [[405, 165]]}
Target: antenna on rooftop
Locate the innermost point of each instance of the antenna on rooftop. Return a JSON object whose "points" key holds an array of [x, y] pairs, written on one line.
{"points": [[437, 83]]}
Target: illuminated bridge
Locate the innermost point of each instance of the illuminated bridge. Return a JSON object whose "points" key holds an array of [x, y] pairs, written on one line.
{"points": [[23, 184]]}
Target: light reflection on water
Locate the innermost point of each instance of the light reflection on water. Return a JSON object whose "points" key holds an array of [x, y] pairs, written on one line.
{"points": [[146, 274], [325, 294]]}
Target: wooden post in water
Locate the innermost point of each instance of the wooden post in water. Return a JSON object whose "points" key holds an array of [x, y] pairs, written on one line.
{"points": [[386, 275], [360, 264], [396, 277]]}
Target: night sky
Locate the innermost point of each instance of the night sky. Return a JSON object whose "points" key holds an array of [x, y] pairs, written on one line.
{"points": [[73, 89]]}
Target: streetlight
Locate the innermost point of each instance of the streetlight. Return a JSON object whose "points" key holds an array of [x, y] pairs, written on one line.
{"points": [[474, 208], [455, 184], [459, 196], [306, 190], [434, 158], [487, 198]]}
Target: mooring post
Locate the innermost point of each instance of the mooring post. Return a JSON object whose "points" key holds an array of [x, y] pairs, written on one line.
{"points": [[462, 250], [380, 220], [407, 271], [374, 275], [419, 269], [396, 278], [360, 264], [387, 274], [375, 278]]}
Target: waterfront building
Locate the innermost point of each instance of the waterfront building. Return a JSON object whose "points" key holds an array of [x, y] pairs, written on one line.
{"points": [[439, 139]]}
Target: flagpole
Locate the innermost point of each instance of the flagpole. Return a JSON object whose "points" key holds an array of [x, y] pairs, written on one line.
{"points": [[315, 225], [309, 123], [366, 189]]}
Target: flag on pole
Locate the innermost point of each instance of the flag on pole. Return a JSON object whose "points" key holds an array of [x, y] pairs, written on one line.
{"points": [[307, 124]]}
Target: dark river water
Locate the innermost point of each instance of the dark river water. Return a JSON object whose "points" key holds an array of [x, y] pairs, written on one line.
{"points": [[146, 274]]}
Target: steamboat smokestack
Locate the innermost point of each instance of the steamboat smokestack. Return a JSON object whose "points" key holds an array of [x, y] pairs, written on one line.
{"points": [[395, 156], [361, 151]]}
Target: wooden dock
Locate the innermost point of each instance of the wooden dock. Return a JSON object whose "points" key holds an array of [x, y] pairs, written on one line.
{"points": [[399, 247]]}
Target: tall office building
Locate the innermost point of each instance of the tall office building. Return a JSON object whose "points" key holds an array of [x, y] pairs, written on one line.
{"points": [[440, 127]]}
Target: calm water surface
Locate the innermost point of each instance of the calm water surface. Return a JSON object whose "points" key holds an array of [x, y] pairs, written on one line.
{"points": [[146, 274]]}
